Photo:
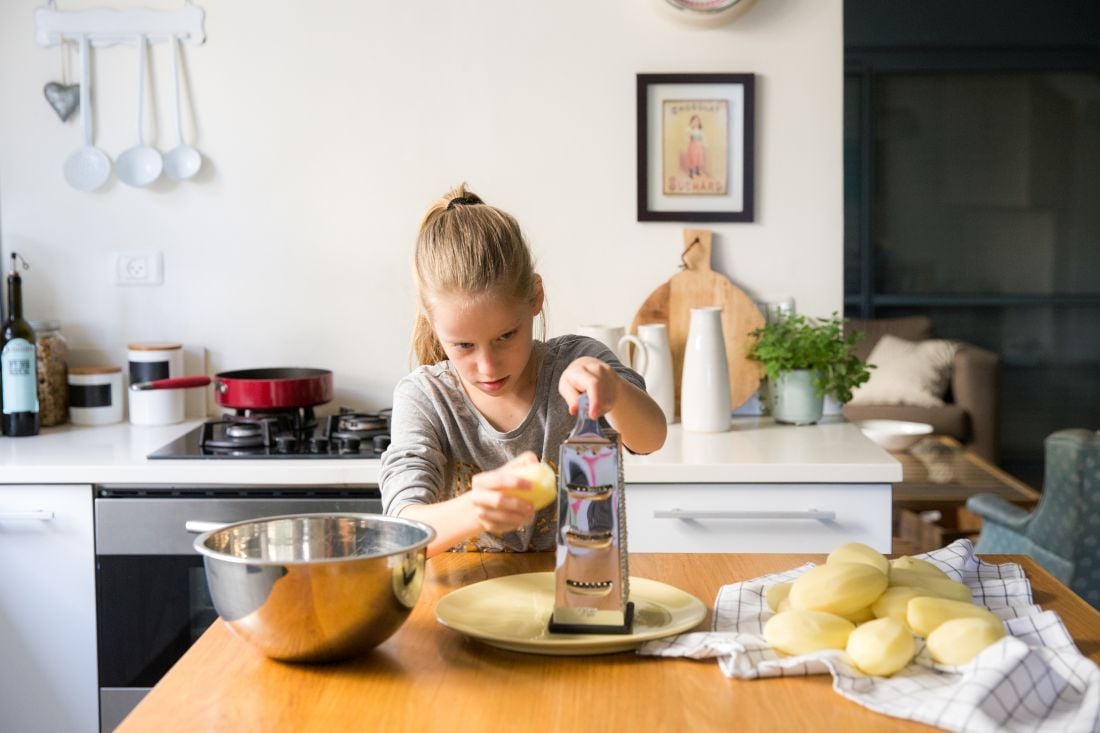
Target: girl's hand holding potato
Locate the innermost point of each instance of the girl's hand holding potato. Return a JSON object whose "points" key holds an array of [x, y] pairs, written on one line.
{"points": [[506, 498]]}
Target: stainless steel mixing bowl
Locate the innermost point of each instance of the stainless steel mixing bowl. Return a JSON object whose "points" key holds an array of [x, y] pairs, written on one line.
{"points": [[315, 587]]}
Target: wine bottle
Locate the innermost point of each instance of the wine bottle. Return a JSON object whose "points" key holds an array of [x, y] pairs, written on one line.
{"points": [[18, 362]]}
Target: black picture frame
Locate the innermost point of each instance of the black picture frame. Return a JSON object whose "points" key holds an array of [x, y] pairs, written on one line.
{"points": [[670, 198]]}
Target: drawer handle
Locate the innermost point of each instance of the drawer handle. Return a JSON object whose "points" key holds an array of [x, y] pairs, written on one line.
{"points": [[721, 514], [40, 515]]}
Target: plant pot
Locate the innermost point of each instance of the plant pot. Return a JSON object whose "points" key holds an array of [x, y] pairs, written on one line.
{"points": [[792, 398]]}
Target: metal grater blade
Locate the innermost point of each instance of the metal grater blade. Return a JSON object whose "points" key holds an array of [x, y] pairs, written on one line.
{"points": [[591, 574]]}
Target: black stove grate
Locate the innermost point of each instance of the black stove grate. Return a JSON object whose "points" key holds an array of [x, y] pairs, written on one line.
{"points": [[284, 434]]}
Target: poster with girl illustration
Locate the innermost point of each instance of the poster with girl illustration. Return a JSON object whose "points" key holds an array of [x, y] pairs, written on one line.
{"points": [[694, 148]]}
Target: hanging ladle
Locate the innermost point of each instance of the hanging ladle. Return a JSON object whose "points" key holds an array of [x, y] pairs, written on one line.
{"points": [[182, 161], [87, 168], [141, 164]]}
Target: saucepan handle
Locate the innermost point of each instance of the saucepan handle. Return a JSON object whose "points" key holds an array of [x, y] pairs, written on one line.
{"points": [[173, 383]]}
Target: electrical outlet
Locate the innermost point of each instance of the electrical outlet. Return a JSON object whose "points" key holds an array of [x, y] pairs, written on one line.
{"points": [[139, 268]]}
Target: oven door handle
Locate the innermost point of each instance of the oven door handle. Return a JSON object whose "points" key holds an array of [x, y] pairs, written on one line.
{"points": [[199, 526]]}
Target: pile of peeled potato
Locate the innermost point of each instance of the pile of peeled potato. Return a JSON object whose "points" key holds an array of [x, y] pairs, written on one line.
{"points": [[872, 607]]}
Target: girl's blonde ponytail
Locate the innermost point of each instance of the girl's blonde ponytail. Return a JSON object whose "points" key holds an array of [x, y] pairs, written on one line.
{"points": [[467, 247]]}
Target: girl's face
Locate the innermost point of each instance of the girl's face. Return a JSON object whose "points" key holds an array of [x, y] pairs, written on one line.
{"points": [[487, 337]]}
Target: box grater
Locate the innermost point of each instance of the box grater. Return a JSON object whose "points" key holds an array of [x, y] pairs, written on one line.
{"points": [[591, 577]]}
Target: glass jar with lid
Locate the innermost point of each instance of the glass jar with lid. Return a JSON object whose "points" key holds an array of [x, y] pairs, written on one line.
{"points": [[53, 370]]}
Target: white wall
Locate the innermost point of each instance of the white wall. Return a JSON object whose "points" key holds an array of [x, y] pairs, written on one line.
{"points": [[329, 127]]}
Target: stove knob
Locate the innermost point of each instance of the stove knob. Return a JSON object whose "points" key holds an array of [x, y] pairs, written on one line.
{"points": [[381, 443], [285, 443], [349, 445], [318, 445]]}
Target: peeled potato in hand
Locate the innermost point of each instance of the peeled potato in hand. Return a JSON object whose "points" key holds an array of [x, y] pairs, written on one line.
{"points": [[544, 485], [959, 640], [881, 647]]}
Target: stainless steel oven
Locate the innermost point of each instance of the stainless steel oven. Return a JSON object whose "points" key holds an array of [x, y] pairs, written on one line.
{"points": [[152, 601]]}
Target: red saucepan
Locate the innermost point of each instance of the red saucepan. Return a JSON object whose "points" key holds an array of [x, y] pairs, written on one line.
{"points": [[258, 389]]}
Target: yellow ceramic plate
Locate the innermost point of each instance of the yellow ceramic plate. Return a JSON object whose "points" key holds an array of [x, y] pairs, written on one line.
{"points": [[512, 613]]}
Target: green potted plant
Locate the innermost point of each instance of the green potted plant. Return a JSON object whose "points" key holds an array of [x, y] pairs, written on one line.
{"points": [[805, 359]]}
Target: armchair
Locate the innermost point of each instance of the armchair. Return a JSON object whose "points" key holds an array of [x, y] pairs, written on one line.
{"points": [[970, 410], [1063, 533]]}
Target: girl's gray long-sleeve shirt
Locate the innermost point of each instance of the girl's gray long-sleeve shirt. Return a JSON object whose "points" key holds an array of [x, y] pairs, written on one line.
{"points": [[439, 440]]}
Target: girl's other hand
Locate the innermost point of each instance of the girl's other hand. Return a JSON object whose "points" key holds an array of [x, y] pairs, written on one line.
{"points": [[496, 511], [597, 378]]}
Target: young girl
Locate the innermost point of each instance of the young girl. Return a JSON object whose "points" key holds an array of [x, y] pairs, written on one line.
{"points": [[489, 394]]}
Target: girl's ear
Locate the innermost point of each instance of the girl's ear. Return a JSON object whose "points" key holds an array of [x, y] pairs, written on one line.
{"points": [[538, 294]]}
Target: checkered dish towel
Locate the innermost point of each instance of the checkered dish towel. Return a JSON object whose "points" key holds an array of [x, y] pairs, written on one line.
{"points": [[1032, 679]]}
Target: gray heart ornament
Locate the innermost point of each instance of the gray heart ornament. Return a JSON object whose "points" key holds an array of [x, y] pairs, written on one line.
{"points": [[64, 99]]}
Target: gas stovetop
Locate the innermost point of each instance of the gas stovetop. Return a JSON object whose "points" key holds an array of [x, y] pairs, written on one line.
{"points": [[285, 434]]}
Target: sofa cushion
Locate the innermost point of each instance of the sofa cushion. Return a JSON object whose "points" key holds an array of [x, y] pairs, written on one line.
{"points": [[907, 373], [947, 420], [910, 328]]}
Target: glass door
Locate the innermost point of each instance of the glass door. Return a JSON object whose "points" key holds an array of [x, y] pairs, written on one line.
{"points": [[150, 609], [970, 197]]}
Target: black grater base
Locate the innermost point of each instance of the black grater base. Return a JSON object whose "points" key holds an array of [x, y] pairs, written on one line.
{"points": [[626, 628]]}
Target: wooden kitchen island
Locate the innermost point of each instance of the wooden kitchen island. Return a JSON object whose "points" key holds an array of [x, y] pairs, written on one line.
{"points": [[428, 677]]}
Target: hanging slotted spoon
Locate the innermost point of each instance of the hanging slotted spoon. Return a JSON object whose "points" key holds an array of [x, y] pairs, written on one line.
{"points": [[87, 168]]}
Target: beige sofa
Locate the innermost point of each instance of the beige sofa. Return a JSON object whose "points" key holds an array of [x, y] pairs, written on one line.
{"points": [[970, 410]]}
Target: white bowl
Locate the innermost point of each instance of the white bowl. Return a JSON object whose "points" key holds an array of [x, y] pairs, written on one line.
{"points": [[895, 435]]}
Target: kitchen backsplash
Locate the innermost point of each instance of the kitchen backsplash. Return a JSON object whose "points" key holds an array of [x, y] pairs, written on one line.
{"points": [[291, 245]]}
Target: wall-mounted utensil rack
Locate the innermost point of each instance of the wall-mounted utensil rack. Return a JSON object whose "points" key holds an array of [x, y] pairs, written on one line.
{"points": [[108, 26]]}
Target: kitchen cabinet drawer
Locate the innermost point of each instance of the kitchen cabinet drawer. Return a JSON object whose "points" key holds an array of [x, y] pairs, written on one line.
{"points": [[48, 675], [756, 517]]}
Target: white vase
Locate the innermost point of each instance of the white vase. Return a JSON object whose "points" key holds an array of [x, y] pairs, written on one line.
{"points": [[705, 384], [658, 374]]}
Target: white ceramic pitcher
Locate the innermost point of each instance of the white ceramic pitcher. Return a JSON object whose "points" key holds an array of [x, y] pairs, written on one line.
{"points": [[705, 385], [658, 375], [616, 338]]}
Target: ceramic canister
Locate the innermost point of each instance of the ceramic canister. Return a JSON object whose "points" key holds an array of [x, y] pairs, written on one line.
{"points": [[149, 362], [95, 395]]}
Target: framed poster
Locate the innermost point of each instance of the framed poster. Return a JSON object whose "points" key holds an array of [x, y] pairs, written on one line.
{"points": [[695, 147]]}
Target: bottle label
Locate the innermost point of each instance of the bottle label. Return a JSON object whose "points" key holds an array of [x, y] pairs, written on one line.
{"points": [[18, 378]]}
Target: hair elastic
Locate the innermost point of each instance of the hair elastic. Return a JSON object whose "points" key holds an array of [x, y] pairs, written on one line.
{"points": [[460, 201]]}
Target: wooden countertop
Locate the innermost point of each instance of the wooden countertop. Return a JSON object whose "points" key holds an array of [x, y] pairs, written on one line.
{"points": [[429, 677]]}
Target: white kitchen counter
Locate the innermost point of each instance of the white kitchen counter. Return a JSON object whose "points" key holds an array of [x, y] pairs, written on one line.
{"points": [[758, 450], [755, 451], [116, 454]]}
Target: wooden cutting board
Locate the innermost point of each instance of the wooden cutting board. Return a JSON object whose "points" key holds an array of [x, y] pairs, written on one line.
{"points": [[697, 286]]}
